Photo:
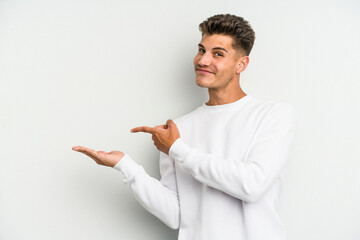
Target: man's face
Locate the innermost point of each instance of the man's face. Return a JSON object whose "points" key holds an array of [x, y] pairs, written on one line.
{"points": [[216, 61]]}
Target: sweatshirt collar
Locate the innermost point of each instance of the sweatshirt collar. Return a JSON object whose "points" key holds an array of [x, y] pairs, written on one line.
{"points": [[227, 106]]}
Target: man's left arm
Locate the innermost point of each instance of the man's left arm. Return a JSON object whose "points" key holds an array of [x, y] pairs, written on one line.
{"points": [[247, 180]]}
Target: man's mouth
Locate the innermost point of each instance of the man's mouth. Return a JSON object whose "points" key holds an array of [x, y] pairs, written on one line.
{"points": [[200, 70]]}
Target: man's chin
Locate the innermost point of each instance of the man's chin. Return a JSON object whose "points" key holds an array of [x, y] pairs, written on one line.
{"points": [[202, 84]]}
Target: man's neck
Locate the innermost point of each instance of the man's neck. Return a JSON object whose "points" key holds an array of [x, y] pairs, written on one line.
{"points": [[226, 95]]}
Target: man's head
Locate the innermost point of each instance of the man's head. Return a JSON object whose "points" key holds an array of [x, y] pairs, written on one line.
{"points": [[223, 51]]}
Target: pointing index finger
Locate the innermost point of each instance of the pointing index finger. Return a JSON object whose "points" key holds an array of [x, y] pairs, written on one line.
{"points": [[143, 129]]}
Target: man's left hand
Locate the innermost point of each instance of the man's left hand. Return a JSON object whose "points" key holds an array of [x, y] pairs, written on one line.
{"points": [[163, 135]]}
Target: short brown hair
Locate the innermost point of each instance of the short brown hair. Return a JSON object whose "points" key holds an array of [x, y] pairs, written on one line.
{"points": [[236, 27]]}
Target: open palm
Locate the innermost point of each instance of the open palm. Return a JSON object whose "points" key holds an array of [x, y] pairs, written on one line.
{"points": [[109, 159]]}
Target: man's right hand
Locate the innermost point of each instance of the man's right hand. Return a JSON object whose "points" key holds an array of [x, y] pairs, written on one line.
{"points": [[109, 159]]}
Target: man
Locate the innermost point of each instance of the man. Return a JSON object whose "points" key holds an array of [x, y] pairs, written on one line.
{"points": [[220, 164]]}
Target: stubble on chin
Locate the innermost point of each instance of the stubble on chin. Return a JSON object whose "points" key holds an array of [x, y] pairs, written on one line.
{"points": [[201, 82]]}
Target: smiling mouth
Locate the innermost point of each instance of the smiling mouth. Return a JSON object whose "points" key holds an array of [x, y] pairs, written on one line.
{"points": [[199, 70]]}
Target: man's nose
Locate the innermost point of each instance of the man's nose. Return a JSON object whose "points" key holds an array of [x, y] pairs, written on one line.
{"points": [[205, 59]]}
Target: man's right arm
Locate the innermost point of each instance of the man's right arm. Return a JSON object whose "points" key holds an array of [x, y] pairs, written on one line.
{"points": [[158, 197]]}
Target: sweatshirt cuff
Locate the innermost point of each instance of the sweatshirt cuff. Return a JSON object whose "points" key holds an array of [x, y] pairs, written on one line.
{"points": [[128, 167], [179, 150]]}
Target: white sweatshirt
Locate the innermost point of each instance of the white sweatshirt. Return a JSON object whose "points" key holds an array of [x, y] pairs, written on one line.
{"points": [[221, 180]]}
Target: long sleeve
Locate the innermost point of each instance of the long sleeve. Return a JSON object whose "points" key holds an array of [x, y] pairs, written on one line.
{"points": [[247, 179], [158, 197]]}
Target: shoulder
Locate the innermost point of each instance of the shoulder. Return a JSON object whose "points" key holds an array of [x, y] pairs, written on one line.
{"points": [[271, 108], [276, 116], [188, 116]]}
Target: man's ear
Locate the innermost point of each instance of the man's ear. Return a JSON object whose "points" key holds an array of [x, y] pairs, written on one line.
{"points": [[241, 64]]}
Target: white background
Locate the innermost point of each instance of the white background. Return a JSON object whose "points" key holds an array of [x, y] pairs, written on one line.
{"points": [[76, 72]]}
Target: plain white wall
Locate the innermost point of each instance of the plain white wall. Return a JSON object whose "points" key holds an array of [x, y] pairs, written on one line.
{"points": [[79, 72]]}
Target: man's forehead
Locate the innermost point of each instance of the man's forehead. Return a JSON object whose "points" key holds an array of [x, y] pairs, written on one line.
{"points": [[217, 40]]}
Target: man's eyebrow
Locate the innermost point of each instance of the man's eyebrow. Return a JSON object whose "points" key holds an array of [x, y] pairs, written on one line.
{"points": [[216, 48], [220, 48]]}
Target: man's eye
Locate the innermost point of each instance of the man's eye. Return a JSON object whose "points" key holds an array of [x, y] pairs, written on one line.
{"points": [[201, 50], [219, 54]]}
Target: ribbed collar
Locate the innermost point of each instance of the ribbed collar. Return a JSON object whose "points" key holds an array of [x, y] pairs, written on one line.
{"points": [[227, 106]]}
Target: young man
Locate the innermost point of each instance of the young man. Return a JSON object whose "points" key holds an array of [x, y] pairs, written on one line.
{"points": [[221, 163]]}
